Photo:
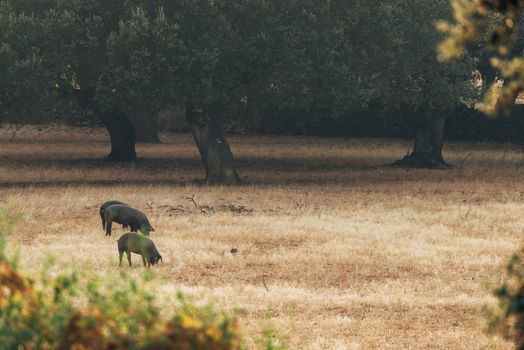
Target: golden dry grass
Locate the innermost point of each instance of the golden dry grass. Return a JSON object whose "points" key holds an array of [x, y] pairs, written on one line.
{"points": [[354, 254]]}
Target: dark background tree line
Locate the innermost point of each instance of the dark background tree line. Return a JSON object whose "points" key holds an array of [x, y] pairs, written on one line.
{"points": [[360, 68]]}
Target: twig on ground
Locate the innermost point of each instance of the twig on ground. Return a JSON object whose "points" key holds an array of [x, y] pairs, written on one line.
{"points": [[14, 130], [236, 208], [205, 209], [264, 282], [176, 209], [192, 199]]}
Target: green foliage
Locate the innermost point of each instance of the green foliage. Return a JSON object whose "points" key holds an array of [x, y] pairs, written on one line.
{"points": [[141, 72], [338, 58], [254, 57], [22, 75], [495, 25], [271, 340], [79, 310], [8, 221], [404, 53], [507, 319]]}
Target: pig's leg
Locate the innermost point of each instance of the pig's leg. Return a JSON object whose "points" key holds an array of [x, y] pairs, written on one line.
{"points": [[109, 225]]}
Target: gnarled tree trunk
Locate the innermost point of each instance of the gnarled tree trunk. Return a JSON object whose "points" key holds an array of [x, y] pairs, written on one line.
{"points": [[122, 135], [429, 139], [145, 126], [119, 126], [218, 160]]}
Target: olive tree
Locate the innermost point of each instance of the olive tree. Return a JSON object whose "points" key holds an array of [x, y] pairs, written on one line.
{"points": [[403, 58], [179, 56], [127, 59], [338, 59], [77, 33], [70, 39]]}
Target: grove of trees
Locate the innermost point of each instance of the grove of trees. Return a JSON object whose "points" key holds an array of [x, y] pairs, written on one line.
{"points": [[123, 61]]}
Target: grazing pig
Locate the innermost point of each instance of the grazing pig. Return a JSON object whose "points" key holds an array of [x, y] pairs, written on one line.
{"points": [[136, 243], [103, 208], [128, 216]]}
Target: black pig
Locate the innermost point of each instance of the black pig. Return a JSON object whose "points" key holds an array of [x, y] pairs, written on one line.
{"points": [[132, 242], [103, 208], [127, 216]]}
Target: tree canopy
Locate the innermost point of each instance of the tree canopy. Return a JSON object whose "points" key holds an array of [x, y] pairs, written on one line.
{"points": [[221, 58], [299, 55]]}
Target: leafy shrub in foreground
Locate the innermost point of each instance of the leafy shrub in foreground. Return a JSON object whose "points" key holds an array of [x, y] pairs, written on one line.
{"points": [[81, 311], [507, 320]]}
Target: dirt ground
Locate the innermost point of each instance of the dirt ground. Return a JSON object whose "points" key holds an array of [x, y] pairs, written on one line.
{"points": [[335, 249]]}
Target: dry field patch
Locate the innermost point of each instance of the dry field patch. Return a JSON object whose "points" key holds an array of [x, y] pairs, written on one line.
{"points": [[334, 249]]}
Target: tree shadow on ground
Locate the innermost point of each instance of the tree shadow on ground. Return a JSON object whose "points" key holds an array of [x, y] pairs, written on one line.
{"points": [[183, 171]]}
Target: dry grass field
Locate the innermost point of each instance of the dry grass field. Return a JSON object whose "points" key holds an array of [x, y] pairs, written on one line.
{"points": [[335, 249]]}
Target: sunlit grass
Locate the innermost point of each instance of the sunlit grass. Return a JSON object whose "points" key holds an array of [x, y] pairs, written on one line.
{"points": [[339, 250]]}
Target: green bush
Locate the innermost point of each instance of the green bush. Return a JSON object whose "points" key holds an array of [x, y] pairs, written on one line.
{"points": [[507, 319], [75, 310]]}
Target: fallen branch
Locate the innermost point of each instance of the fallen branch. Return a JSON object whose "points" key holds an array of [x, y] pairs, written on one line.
{"points": [[192, 199], [176, 209], [14, 128], [205, 209], [264, 282], [235, 208]]}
